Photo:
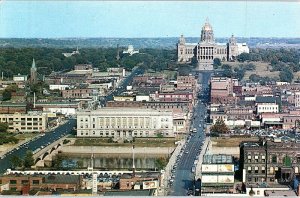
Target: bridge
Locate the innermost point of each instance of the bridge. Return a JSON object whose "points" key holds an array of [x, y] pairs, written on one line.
{"points": [[44, 156]]}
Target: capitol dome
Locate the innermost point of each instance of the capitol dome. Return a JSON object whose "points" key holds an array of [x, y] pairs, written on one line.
{"points": [[207, 26]]}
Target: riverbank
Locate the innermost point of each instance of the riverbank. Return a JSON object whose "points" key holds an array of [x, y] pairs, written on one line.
{"points": [[116, 150]]}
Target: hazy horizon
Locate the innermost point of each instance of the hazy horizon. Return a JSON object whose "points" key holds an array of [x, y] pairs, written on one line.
{"points": [[147, 19]]}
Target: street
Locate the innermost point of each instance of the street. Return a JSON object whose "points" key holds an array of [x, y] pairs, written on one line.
{"points": [[183, 174]]}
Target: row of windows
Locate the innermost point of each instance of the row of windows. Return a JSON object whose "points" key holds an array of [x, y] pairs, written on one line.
{"points": [[24, 181], [267, 108]]}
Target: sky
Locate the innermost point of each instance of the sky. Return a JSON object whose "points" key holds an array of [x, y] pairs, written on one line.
{"points": [[140, 19]]}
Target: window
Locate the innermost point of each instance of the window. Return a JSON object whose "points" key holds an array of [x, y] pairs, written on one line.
{"points": [[249, 158], [35, 182], [12, 181], [249, 169], [274, 159], [256, 169], [24, 182], [263, 159], [263, 170]]}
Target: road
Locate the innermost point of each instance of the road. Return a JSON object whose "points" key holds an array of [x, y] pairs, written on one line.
{"points": [[38, 142], [122, 86], [183, 175], [60, 131]]}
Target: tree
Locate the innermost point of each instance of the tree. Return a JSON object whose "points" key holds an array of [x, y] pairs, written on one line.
{"points": [[286, 75], [217, 63], [219, 127], [160, 163], [28, 159], [16, 161], [3, 127]]}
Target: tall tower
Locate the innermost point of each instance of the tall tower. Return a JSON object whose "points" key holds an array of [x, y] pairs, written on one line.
{"points": [[232, 48], [33, 73], [207, 33]]}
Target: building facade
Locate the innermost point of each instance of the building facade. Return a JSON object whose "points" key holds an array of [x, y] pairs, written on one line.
{"points": [[297, 99], [30, 122], [207, 49], [270, 161], [124, 123]]}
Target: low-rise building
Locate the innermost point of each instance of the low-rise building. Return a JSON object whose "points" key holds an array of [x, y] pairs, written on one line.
{"points": [[124, 123], [270, 161], [39, 182], [76, 93], [217, 174], [20, 78], [10, 108], [267, 104], [30, 122]]}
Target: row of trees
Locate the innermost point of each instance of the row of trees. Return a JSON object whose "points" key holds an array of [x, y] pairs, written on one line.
{"points": [[271, 55]]}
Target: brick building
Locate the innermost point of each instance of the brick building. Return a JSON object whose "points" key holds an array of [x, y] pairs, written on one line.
{"points": [[270, 161], [49, 182], [76, 93]]}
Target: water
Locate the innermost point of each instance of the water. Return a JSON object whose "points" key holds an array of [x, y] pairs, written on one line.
{"points": [[112, 161]]}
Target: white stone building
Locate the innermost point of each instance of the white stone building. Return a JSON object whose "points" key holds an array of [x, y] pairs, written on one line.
{"points": [[206, 50], [124, 123], [266, 104]]}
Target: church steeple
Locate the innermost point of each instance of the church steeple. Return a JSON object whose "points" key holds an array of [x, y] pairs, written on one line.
{"points": [[33, 64], [33, 72]]}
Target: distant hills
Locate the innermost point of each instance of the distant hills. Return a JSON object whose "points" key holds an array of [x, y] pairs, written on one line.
{"points": [[138, 43]]}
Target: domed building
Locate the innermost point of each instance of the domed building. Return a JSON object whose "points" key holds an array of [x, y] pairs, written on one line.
{"points": [[207, 49]]}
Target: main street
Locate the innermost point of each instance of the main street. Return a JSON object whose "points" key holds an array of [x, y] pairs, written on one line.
{"points": [[183, 175], [61, 130]]}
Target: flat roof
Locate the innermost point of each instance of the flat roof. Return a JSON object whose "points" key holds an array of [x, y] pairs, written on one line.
{"points": [[130, 193], [217, 159]]}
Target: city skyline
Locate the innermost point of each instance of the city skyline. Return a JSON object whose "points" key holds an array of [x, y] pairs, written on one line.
{"points": [[32, 19]]}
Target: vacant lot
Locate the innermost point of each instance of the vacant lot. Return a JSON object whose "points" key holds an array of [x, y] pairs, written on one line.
{"points": [[231, 142], [139, 142]]}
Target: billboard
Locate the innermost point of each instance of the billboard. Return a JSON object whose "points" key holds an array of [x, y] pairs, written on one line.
{"points": [[209, 168], [209, 179], [226, 168], [226, 179], [150, 184]]}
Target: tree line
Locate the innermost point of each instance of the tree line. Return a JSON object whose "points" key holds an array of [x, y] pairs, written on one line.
{"points": [[19, 60]]}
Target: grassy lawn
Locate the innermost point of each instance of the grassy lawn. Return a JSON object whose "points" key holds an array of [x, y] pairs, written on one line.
{"points": [[231, 142], [139, 142], [25, 135]]}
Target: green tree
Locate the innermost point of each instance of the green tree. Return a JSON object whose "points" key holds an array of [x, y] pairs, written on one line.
{"points": [[217, 63], [161, 163], [286, 75], [3, 127], [28, 159], [16, 161], [219, 127]]}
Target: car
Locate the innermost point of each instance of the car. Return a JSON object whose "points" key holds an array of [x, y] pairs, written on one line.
{"points": [[186, 152]]}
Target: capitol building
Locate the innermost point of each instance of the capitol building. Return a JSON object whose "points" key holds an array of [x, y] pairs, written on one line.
{"points": [[207, 49]]}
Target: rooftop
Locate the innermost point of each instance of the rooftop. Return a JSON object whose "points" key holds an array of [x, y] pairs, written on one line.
{"points": [[217, 159], [130, 193]]}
